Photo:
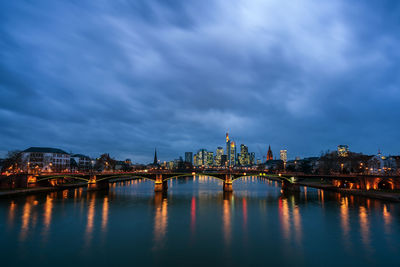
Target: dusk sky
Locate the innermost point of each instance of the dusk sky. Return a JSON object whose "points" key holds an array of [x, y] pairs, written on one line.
{"points": [[124, 77]]}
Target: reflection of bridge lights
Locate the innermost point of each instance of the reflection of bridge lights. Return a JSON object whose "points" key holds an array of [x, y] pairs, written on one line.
{"points": [[364, 226], [11, 213], [284, 216], [226, 219], [193, 215], [104, 219], [90, 220], [344, 219], [26, 214], [160, 222], [387, 218]]}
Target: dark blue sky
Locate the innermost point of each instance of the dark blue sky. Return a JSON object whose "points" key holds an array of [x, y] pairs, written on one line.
{"points": [[126, 76]]}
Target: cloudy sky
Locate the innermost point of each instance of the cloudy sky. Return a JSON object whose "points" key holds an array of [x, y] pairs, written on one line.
{"points": [[126, 76]]}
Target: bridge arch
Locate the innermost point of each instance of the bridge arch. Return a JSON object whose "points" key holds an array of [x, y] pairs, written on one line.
{"points": [[385, 184], [267, 176], [64, 176], [191, 175], [124, 176]]}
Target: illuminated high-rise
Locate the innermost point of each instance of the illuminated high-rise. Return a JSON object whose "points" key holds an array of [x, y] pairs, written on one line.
{"points": [[218, 156], [232, 154], [244, 157], [228, 149], [252, 158], [201, 157], [283, 155], [210, 159]]}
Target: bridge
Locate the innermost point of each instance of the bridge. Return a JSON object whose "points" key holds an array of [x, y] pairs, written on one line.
{"points": [[289, 181], [159, 177]]}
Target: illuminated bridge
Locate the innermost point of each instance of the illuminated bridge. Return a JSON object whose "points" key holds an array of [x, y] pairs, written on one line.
{"points": [[159, 177]]}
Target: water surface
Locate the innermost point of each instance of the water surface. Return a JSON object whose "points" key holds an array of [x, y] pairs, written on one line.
{"points": [[195, 223]]}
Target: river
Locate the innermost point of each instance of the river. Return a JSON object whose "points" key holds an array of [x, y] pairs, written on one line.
{"points": [[196, 224]]}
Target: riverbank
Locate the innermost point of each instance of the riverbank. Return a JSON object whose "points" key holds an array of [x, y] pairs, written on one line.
{"points": [[36, 190], [381, 195]]}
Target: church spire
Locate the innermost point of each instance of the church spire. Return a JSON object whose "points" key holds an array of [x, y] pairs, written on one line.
{"points": [[269, 154], [155, 157]]}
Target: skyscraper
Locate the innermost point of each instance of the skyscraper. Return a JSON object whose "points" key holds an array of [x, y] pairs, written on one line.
{"points": [[283, 155], [189, 157], [269, 154], [244, 157], [210, 159], [228, 149], [201, 157], [232, 154], [218, 156]]}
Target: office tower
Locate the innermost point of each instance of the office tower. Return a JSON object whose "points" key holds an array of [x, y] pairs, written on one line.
{"points": [[189, 157], [224, 160], [232, 155], [228, 149], [283, 155], [220, 152], [210, 159], [201, 157], [252, 158], [244, 157]]}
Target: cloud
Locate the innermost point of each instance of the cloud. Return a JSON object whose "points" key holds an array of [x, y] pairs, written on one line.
{"points": [[125, 77]]}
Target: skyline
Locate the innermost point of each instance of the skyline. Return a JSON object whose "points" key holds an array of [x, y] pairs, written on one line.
{"points": [[124, 78]]}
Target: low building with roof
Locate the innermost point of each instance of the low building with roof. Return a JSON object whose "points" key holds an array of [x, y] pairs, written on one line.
{"points": [[45, 159], [82, 163]]}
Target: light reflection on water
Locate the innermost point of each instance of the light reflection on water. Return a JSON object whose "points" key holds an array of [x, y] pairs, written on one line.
{"points": [[242, 227]]}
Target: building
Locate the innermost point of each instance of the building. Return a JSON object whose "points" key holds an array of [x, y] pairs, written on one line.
{"points": [[252, 158], [224, 160], [155, 161], [218, 156], [81, 162], [45, 159], [189, 157], [283, 155], [228, 149], [232, 154], [201, 157], [343, 150], [210, 159], [244, 156], [269, 154], [379, 164]]}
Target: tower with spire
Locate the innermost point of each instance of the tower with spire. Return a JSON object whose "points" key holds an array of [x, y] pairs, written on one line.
{"points": [[155, 162], [269, 154]]}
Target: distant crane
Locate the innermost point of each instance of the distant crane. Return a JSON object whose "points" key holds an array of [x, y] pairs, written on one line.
{"points": [[264, 158]]}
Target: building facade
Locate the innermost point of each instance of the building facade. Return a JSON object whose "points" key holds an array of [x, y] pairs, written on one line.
{"points": [[45, 159], [283, 155], [189, 157], [269, 154]]}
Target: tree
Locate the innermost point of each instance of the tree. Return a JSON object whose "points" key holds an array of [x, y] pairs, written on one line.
{"points": [[105, 163], [13, 162]]}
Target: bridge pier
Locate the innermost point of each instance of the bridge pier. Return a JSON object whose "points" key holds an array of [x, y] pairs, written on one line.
{"points": [[98, 186], [93, 184], [160, 185], [228, 184], [290, 187]]}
